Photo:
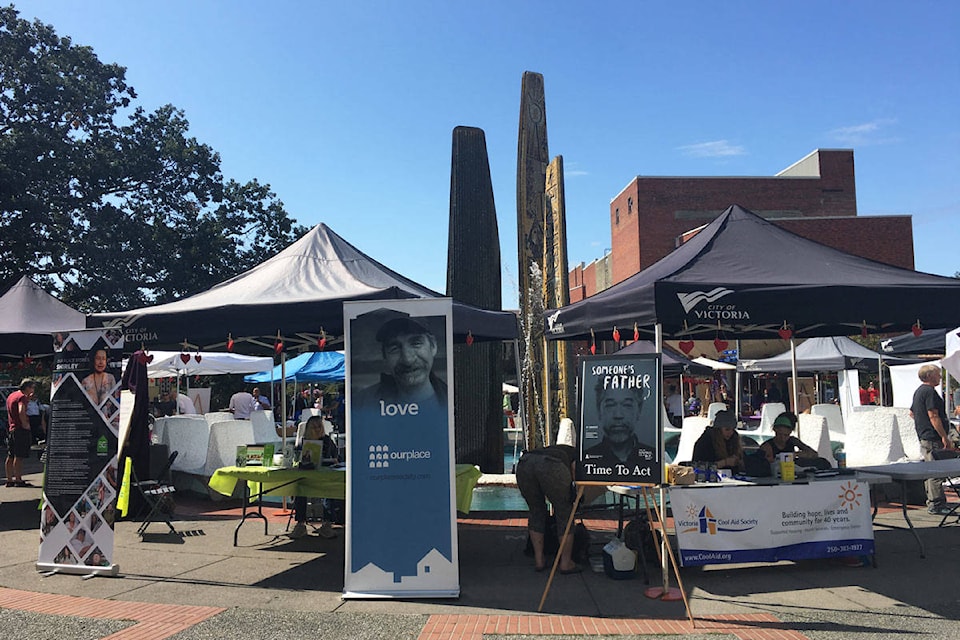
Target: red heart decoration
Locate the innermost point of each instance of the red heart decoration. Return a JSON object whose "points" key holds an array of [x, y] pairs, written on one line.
{"points": [[686, 346], [230, 345], [184, 358], [863, 331], [278, 347], [720, 345], [198, 357], [469, 339], [322, 342], [593, 349], [785, 334], [616, 334], [636, 333], [916, 330], [28, 360]]}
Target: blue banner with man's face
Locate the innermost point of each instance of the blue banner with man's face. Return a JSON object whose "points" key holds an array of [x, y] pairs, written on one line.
{"points": [[401, 516], [620, 431]]}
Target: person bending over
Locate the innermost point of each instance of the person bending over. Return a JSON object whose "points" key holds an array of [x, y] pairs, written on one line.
{"points": [[547, 474]]}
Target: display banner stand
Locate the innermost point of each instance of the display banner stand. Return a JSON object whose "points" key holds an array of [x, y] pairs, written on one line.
{"points": [[80, 477], [401, 488]]}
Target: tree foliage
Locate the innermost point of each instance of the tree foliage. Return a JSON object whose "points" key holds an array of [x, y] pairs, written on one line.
{"points": [[109, 205]]}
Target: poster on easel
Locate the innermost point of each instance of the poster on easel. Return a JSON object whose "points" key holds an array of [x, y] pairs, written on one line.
{"points": [[80, 480], [620, 411], [401, 488]]}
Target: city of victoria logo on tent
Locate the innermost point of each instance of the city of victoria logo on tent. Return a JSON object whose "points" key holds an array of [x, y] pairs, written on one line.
{"points": [[693, 298]]}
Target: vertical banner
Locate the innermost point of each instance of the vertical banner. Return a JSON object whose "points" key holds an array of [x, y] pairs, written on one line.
{"points": [[620, 432], [80, 483], [401, 506]]}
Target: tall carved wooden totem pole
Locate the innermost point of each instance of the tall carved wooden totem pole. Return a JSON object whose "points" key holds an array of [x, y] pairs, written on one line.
{"points": [[545, 379]]}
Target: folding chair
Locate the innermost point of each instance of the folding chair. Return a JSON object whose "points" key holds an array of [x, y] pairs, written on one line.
{"points": [[949, 484], [153, 492]]}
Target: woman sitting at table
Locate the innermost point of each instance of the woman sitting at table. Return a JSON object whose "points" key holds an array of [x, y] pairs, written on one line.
{"points": [[720, 443], [327, 452], [783, 442]]}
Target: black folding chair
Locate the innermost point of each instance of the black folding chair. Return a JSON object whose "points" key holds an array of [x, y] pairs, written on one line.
{"points": [[945, 454], [153, 493]]}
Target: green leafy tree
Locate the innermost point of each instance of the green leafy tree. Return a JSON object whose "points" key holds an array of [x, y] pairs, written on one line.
{"points": [[110, 205]]}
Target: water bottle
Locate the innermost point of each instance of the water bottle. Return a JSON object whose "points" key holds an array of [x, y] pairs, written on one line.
{"points": [[841, 458]]}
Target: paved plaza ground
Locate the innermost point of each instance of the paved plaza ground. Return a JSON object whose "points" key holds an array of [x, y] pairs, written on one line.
{"points": [[199, 586]]}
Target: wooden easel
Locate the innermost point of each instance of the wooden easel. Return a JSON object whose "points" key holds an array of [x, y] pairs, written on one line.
{"points": [[664, 544]]}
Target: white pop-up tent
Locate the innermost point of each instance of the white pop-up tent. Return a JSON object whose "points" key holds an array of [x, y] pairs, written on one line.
{"points": [[168, 364]]}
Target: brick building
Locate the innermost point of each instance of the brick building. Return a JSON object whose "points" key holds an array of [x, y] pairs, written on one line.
{"points": [[815, 197]]}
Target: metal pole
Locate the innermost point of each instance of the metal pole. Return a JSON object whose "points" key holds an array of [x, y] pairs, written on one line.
{"points": [[796, 382], [664, 560]]}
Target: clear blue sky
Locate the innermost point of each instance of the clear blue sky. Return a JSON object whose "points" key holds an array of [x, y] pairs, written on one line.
{"points": [[346, 108]]}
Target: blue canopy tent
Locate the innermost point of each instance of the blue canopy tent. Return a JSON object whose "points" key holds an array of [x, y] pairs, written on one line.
{"points": [[315, 366]]}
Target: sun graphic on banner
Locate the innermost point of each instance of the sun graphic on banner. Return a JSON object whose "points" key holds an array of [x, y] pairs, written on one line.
{"points": [[850, 494], [692, 511]]}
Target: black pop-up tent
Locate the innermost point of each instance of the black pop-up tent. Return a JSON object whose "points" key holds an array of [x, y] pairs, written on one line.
{"points": [[296, 293], [28, 317], [929, 342], [673, 362], [745, 277], [834, 353]]}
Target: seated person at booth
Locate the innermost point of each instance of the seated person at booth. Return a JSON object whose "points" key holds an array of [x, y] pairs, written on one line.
{"points": [[783, 442], [720, 443], [316, 449]]}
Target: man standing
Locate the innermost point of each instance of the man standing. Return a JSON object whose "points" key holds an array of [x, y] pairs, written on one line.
{"points": [[408, 350], [674, 404], [259, 402], [931, 422], [242, 405], [18, 430]]}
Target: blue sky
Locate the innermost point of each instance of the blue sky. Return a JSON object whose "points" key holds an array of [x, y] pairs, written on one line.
{"points": [[346, 108]]}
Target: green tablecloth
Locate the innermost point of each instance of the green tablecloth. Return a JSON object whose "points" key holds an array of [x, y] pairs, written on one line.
{"points": [[317, 483]]}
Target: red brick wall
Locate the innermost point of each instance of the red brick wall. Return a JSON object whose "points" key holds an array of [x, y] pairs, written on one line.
{"points": [[886, 239], [654, 211]]}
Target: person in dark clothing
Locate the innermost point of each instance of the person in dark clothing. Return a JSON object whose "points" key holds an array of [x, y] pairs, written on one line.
{"points": [[313, 431], [783, 442], [720, 443], [547, 474], [932, 425]]}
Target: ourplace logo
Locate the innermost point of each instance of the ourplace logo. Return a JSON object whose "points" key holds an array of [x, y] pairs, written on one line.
{"points": [[693, 298], [703, 521], [380, 456]]}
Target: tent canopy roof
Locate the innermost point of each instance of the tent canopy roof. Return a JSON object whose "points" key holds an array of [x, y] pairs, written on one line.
{"points": [[744, 276], [28, 315], [836, 353], [316, 366], [169, 364], [672, 361], [297, 292]]}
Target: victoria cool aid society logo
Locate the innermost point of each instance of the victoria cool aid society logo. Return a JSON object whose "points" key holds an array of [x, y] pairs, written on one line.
{"points": [[702, 520], [708, 305]]}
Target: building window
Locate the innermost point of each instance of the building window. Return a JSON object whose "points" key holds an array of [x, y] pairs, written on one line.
{"points": [[629, 206], [616, 216]]}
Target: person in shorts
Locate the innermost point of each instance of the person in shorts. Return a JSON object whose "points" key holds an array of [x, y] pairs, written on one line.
{"points": [[19, 437]]}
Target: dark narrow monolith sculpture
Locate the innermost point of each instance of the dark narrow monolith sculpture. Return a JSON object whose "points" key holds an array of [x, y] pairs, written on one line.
{"points": [[473, 276]]}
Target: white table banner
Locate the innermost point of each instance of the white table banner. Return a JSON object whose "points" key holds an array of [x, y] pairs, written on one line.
{"points": [[768, 523]]}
